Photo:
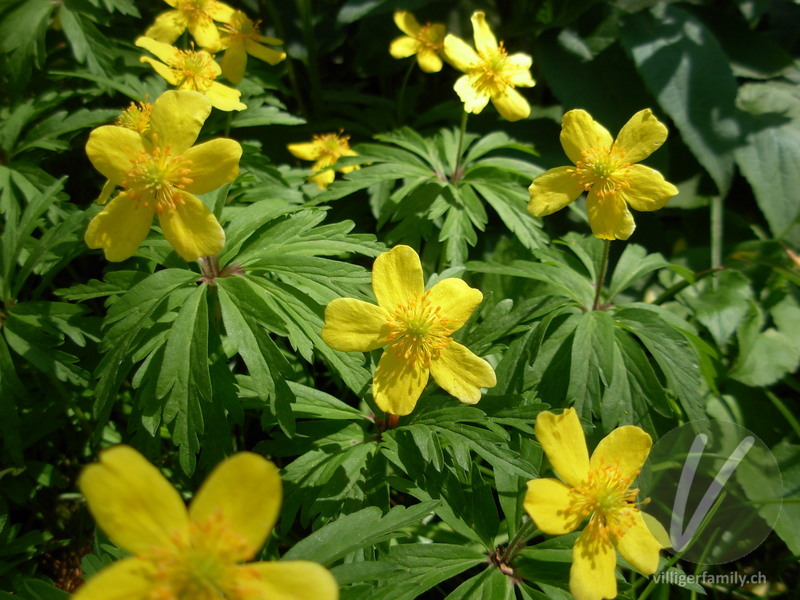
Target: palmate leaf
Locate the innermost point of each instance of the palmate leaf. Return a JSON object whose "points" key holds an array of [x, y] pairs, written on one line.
{"points": [[419, 182], [283, 254]]}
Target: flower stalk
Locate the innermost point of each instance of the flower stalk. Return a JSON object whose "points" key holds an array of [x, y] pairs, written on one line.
{"points": [[601, 274]]}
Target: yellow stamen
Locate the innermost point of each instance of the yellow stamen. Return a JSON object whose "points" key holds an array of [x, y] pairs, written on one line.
{"points": [[157, 178], [202, 565], [418, 331], [136, 117], [607, 499], [602, 170], [489, 75], [194, 70]]}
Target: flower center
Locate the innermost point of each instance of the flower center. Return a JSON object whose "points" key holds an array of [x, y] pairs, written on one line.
{"points": [[428, 39], [194, 10], [604, 171], [418, 331], [203, 564], [157, 178], [489, 74], [136, 117], [194, 70], [607, 498], [240, 28]]}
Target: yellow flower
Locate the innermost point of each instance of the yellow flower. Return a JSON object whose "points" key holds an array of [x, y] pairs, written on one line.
{"points": [[598, 488], [197, 16], [416, 327], [491, 74], [426, 41], [325, 150], [194, 554], [159, 173], [605, 168], [191, 70], [240, 37]]}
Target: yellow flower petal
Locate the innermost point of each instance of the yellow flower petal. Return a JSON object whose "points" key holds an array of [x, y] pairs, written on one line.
{"points": [[474, 101], [406, 22], [626, 448], [592, 574], [462, 374], [110, 149], [355, 326], [546, 502], [246, 490], [119, 229], [295, 580], [191, 229], [164, 52], [397, 277], [177, 118], [234, 61], [457, 301], [219, 11], [579, 133], [403, 47], [562, 440], [639, 547], [648, 189], [657, 529], [518, 67], [323, 179], [429, 61], [609, 217], [553, 190], [397, 384], [132, 501], [108, 189], [127, 579], [167, 27], [163, 70], [511, 105], [206, 34], [459, 53], [642, 135], [485, 41], [224, 97], [214, 163], [261, 52], [305, 150]]}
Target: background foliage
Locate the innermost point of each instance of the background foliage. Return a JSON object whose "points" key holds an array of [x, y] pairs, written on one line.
{"points": [[701, 313]]}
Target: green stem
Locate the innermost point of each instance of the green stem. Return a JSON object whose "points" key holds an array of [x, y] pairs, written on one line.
{"points": [[517, 543], [228, 121], [601, 275], [716, 233], [670, 292], [784, 410], [461, 134], [401, 96]]}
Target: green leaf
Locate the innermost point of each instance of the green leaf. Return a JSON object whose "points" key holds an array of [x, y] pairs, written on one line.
{"points": [[685, 69], [769, 158], [360, 529], [766, 356], [491, 584], [633, 264], [591, 362], [674, 355], [510, 202], [721, 304]]}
